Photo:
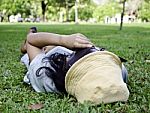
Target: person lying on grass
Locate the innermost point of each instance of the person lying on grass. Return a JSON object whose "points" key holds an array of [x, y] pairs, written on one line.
{"points": [[47, 68]]}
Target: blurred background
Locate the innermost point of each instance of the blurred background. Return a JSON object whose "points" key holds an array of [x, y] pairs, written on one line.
{"points": [[75, 11]]}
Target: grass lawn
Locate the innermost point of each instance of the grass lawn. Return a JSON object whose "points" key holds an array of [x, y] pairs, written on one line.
{"points": [[132, 43]]}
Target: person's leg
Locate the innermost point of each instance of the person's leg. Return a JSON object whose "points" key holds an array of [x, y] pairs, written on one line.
{"points": [[23, 45], [32, 51]]}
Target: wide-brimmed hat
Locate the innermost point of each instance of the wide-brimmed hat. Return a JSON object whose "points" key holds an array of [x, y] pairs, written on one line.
{"points": [[97, 78]]}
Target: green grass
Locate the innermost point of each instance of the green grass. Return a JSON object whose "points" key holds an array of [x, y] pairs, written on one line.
{"points": [[132, 43]]}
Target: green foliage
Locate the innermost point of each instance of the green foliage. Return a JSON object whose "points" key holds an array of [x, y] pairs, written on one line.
{"points": [[86, 9], [52, 13], [84, 13], [109, 9], [25, 8], [144, 12], [132, 43]]}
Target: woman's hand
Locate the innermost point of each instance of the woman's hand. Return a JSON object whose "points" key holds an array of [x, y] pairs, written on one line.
{"points": [[76, 41]]}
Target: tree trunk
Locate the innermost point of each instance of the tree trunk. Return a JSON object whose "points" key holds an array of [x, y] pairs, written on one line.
{"points": [[76, 12], [122, 14], [67, 11], [43, 5]]}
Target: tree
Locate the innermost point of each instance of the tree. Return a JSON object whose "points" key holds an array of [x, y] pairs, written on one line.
{"points": [[6, 7], [59, 4], [86, 12], [109, 9], [68, 5], [122, 14], [43, 6], [12, 7], [76, 11], [144, 12]]}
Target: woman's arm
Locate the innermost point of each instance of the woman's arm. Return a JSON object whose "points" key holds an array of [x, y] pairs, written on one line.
{"points": [[43, 39], [36, 41]]}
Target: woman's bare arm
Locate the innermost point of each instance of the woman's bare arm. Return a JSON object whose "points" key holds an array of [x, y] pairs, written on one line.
{"points": [[36, 41], [70, 41]]}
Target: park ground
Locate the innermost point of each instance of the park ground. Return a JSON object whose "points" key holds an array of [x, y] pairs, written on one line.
{"points": [[132, 43]]}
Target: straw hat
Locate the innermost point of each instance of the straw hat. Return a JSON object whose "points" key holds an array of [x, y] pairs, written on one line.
{"points": [[97, 78]]}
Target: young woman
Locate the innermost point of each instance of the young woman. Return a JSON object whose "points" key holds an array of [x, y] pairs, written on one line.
{"points": [[48, 54], [72, 64]]}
